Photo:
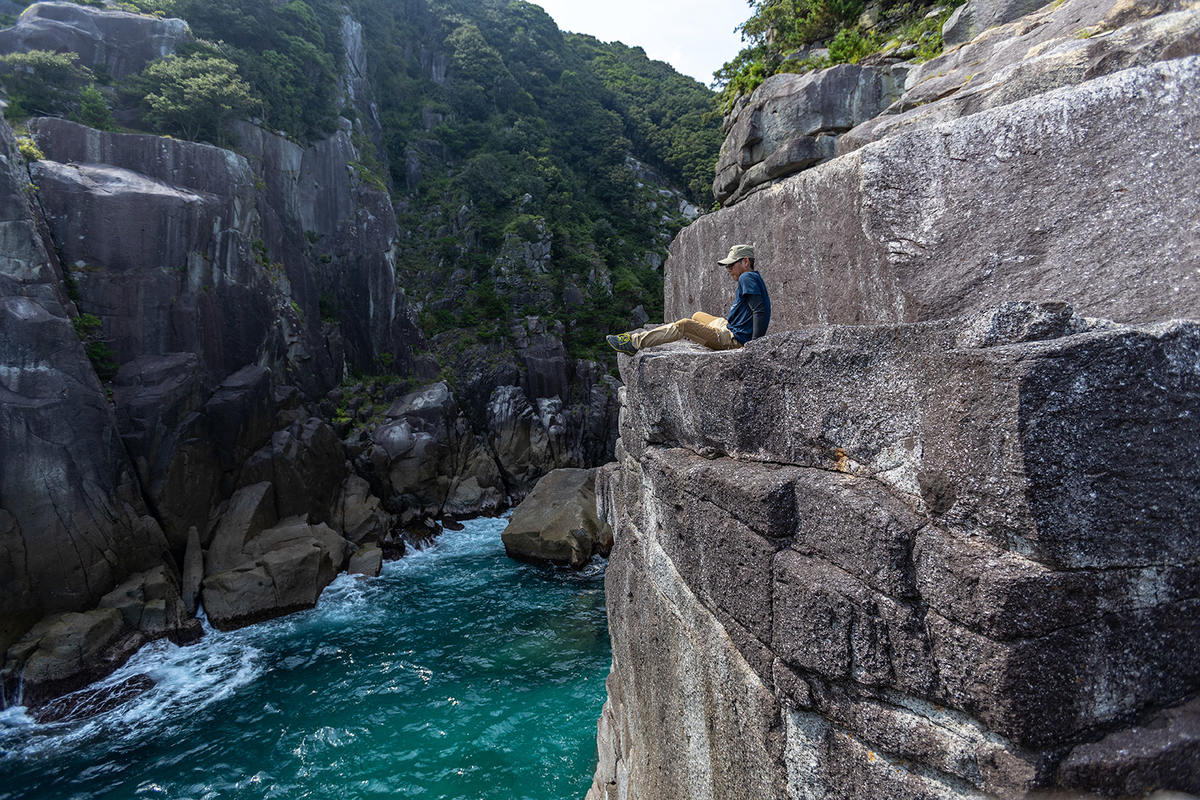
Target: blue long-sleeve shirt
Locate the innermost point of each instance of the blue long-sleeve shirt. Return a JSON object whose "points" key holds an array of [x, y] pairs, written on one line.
{"points": [[741, 317]]}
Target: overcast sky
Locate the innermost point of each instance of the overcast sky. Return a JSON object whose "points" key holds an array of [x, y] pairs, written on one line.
{"points": [[694, 36]]}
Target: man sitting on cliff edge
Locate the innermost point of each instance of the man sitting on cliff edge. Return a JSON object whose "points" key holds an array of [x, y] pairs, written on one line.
{"points": [[747, 319]]}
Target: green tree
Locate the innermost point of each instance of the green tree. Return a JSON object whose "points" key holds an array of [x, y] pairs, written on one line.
{"points": [[193, 96], [93, 110], [42, 83]]}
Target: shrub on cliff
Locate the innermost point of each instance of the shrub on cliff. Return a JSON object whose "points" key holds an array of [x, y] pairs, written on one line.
{"points": [[194, 96], [782, 33], [42, 83]]}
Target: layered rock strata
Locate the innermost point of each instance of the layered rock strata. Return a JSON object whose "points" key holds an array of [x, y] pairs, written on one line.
{"points": [[1061, 45], [947, 559], [793, 122], [1059, 196]]}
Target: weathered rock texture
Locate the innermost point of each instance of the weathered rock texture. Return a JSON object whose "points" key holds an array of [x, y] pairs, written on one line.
{"points": [[73, 522], [210, 272], [118, 42], [793, 121], [1062, 45], [922, 560], [557, 522], [1083, 194]]}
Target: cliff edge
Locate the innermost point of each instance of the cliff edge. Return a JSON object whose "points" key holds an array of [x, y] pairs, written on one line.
{"points": [[935, 536]]}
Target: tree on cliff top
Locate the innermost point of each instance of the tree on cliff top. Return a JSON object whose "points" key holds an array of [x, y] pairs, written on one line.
{"points": [[781, 33], [42, 83], [194, 96]]}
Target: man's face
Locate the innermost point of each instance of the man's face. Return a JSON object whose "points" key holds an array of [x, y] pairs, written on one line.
{"points": [[738, 268]]}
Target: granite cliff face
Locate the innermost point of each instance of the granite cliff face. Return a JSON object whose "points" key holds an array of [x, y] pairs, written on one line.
{"points": [[943, 559], [935, 535], [225, 297]]}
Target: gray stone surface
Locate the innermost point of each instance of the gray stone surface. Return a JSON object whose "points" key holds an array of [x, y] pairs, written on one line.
{"points": [[968, 215], [426, 459], [976, 16], [1068, 45], [902, 629], [157, 234], [72, 519], [556, 523], [792, 121], [366, 561], [117, 41], [274, 571]]}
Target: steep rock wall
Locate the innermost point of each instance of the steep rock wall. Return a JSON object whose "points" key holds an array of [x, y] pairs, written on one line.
{"points": [[1082, 195], [945, 559], [209, 272], [72, 519]]}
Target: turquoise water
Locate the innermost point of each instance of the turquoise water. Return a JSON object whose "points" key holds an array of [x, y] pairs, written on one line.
{"points": [[458, 673]]}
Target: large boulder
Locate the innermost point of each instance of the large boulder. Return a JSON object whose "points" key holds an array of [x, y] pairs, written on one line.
{"points": [[114, 41], [429, 462], [1062, 46], [964, 216], [557, 522], [793, 121], [307, 468], [258, 567]]}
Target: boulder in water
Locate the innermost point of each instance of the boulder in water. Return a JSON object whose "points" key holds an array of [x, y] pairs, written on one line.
{"points": [[283, 569], [557, 523]]}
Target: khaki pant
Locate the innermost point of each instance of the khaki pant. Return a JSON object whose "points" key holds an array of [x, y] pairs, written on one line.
{"points": [[712, 332]]}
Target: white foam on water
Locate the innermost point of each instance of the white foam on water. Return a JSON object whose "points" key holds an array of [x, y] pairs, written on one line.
{"points": [[186, 680]]}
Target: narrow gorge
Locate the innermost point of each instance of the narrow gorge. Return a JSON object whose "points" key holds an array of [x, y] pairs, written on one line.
{"points": [[937, 535]]}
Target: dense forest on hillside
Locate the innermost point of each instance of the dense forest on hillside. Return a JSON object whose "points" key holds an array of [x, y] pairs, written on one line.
{"points": [[527, 138], [533, 172]]}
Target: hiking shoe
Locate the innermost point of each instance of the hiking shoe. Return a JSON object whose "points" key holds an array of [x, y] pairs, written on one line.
{"points": [[622, 343]]}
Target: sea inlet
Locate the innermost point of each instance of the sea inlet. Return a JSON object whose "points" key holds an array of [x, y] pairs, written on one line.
{"points": [[457, 673]]}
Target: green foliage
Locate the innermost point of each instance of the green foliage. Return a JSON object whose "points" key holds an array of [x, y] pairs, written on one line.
{"points": [[72, 287], [102, 358], [779, 29], [29, 149], [328, 308], [851, 44], [93, 110], [156, 8], [288, 52], [86, 325], [193, 96], [88, 328], [42, 83]]}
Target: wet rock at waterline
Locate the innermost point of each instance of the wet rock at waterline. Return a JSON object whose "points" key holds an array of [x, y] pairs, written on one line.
{"points": [[261, 574], [557, 522], [259, 566], [366, 561], [65, 652]]}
